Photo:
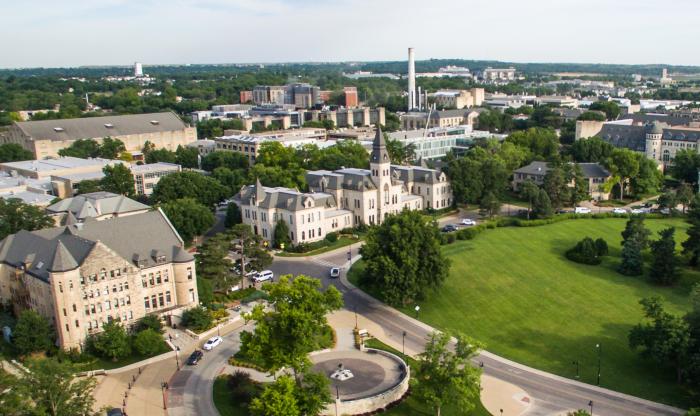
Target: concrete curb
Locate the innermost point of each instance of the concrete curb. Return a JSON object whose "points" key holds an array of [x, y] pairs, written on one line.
{"points": [[578, 384]]}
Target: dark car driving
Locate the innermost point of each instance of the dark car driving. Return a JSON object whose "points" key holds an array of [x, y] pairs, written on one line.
{"points": [[195, 357]]}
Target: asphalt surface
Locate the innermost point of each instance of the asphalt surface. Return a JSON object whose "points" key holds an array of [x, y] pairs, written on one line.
{"points": [[549, 396]]}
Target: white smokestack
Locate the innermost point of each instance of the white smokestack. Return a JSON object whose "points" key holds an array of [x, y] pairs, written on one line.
{"points": [[138, 70], [411, 80]]}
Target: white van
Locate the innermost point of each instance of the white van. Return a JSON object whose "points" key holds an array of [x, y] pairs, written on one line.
{"points": [[264, 276], [582, 210]]}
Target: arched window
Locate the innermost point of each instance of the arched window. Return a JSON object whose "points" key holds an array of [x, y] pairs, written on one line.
{"points": [[386, 194], [666, 156]]}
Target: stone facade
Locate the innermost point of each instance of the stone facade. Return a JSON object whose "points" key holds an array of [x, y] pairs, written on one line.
{"points": [[80, 282]]}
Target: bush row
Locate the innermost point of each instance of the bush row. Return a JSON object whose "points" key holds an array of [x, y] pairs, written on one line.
{"points": [[471, 232]]}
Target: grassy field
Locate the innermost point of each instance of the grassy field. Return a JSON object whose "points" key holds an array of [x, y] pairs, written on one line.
{"points": [[513, 289], [340, 242]]}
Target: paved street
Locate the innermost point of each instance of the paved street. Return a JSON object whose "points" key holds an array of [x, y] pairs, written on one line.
{"points": [[551, 394]]}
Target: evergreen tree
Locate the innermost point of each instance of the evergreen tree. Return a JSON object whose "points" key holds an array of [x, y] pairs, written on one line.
{"points": [[281, 234], [664, 266], [691, 246], [556, 187], [233, 215], [634, 229], [632, 261], [543, 206]]}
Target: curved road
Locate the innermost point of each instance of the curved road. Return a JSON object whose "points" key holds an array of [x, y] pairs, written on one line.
{"points": [[191, 388]]}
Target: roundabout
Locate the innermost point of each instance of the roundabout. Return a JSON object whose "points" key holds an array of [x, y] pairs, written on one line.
{"points": [[362, 381]]}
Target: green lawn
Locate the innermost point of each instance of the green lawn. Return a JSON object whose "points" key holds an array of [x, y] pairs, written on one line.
{"points": [[513, 289]]}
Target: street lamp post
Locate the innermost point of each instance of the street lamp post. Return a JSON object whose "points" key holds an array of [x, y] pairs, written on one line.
{"points": [[403, 342], [354, 308], [177, 357], [337, 399], [590, 403], [417, 309], [162, 389], [600, 348]]}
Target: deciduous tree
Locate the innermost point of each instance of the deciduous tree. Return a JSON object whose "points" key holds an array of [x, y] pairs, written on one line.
{"points": [[32, 333], [118, 179], [15, 215], [12, 152], [112, 342], [189, 217]]}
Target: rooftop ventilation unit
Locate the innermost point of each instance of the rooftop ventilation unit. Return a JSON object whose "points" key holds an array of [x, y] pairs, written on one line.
{"points": [[58, 129], [155, 122], [109, 125]]}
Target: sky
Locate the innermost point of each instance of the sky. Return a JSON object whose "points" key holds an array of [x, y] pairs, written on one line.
{"points": [[64, 33]]}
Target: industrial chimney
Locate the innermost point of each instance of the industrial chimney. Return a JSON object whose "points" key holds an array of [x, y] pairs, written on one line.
{"points": [[411, 80]]}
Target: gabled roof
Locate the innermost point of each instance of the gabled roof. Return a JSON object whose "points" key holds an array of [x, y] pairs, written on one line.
{"points": [[100, 127], [96, 204], [64, 248]]}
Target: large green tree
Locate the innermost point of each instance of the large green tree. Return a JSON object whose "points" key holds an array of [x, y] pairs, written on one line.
{"points": [[113, 342], [82, 148], [685, 166], [648, 179], [400, 154], [187, 157], [233, 180], [281, 234], [111, 148], [54, 390], [277, 399], [635, 238], [610, 108], [591, 150], [189, 217], [118, 179], [624, 165], [447, 377], [691, 246], [207, 191], [12, 152], [148, 342], [15, 215], [542, 142], [14, 403], [233, 215], [32, 333], [664, 338], [285, 335], [218, 159], [664, 264], [556, 186], [403, 258]]}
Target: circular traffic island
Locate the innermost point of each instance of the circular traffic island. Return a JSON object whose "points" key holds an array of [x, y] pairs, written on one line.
{"points": [[362, 381]]}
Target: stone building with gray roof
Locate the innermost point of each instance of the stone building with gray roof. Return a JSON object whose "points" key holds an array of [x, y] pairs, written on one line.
{"points": [[594, 173], [44, 138], [98, 205], [83, 275], [344, 198]]}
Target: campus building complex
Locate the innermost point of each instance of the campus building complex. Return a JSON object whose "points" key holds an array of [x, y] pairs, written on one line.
{"points": [[45, 138], [344, 198], [83, 275]]}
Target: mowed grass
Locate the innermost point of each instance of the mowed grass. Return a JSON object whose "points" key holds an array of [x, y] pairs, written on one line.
{"points": [[513, 289]]}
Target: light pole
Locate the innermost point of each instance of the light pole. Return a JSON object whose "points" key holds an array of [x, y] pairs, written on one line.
{"points": [[218, 332], [337, 399], [403, 342], [162, 389], [577, 364], [177, 357], [600, 348], [354, 308], [590, 403], [417, 309]]}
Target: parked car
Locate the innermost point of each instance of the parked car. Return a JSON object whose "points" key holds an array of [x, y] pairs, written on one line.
{"points": [[582, 210], [115, 412], [195, 357], [212, 343], [334, 273], [264, 276], [639, 210], [468, 222], [449, 228], [619, 211]]}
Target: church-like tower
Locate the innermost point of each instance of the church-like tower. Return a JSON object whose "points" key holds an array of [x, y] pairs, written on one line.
{"points": [[380, 164], [653, 135]]}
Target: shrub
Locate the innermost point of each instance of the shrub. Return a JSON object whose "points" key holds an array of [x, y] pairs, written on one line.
{"points": [[601, 247], [150, 322], [331, 237], [242, 387], [148, 342], [584, 252], [198, 319]]}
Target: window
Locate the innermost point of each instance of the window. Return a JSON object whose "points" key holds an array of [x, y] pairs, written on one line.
{"points": [[161, 302], [114, 288], [158, 279], [191, 295], [165, 276], [153, 301], [146, 302], [189, 273], [143, 282], [60, 287], [67, 328], [103, 274], [126, 285], [106, 291], [150, 279], [75, 309], [70, 285], [131, 315], [77, 324], [167, 297], [128, 300], [291, 220], [64, 312], [108, 305]]}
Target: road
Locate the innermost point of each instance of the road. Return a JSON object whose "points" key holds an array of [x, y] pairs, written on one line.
{"points": [[551, 394], [191, 388]]}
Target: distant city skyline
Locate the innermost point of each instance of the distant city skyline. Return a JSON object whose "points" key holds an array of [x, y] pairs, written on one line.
{"points": [[120, 32]]}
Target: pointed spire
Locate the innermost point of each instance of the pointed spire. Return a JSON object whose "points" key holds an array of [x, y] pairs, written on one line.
{"points": [[62, 259], [379, 152], [259, 191]]}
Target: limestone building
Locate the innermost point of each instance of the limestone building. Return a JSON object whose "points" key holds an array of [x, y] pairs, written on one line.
{"points": [[344, 198], [83, 275], [45, 138]]}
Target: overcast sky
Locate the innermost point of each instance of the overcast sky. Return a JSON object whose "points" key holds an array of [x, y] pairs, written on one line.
{"points": [[55, 33]]}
